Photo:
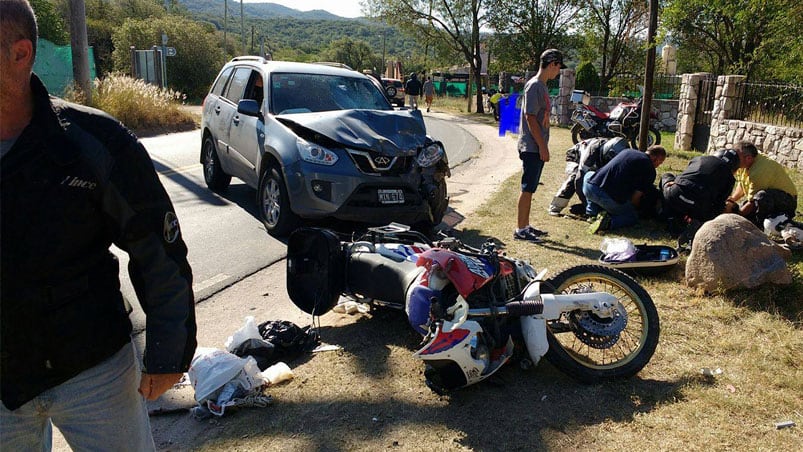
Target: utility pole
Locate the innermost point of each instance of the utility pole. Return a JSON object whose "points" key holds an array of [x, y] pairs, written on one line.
{"points": [[225, 23], [80, 48], [384, 64], [242, 26], [646, 101]]}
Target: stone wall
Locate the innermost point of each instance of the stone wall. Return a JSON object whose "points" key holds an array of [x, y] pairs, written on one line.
{"points": [[782, 144]]}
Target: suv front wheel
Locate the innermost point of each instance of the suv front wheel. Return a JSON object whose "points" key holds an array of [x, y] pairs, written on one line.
{"points": [[274, 204], [216, 179]]}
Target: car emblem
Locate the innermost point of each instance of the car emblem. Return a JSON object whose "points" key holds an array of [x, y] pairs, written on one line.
{"points": [[382, 161]]}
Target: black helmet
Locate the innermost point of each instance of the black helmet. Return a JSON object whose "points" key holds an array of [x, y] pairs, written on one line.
{"points": [[730, 157]]}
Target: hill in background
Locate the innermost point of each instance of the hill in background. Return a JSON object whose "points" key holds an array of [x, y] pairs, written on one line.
{"points": [[255, 10]]}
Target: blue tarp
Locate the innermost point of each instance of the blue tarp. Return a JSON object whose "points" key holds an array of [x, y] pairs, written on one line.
{"points": [[509, 113]]}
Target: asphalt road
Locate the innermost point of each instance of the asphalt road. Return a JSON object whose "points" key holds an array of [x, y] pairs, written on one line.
{"points": [[225, 238]]}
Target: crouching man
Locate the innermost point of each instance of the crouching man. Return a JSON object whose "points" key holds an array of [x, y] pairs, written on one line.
{"points": [[763, 186], [615, 192]]}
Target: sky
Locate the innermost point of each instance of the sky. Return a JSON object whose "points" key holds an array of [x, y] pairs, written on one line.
{"points": [[342, 8]]}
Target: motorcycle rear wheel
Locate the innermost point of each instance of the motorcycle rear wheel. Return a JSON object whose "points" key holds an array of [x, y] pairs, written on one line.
{"points": [[580, 134], [653, 137], [636, 343]]}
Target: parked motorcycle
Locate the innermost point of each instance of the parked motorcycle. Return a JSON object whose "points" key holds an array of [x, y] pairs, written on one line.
{"points": [[623, 121], [478, 308]]}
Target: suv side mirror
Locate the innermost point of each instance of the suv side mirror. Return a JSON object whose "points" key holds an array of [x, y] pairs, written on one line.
{"points": [[249, 107]]}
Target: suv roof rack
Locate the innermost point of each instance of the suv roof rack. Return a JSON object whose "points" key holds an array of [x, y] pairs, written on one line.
{"points": [[334, 64], [250, 58]]}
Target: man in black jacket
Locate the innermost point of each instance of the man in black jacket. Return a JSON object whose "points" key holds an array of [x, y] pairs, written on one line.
{"points": [[701, 190], [412, 89], [74, 181]]}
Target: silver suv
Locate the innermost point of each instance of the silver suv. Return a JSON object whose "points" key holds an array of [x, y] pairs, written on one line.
{"points": [[317, 141]]}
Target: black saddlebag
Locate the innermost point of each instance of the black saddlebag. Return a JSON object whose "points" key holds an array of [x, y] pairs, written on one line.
{"points": [[315, 269]]}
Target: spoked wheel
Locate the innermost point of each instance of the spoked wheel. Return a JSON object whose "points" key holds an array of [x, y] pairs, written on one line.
{"points": [[589, 348], [580, 134]]}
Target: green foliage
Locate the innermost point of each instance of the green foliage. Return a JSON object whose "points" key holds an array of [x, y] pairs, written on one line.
{"points": [[198, 54], [51, 25], [757, 38], [525, 29], [354, 53], [614, 36], [587, 78]]}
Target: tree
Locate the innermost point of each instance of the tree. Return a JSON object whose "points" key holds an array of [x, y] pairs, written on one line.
{"points": [[455, 22], [525, 29], [52, 25], [587, 78], [747, 37], [355, 53], [198, 54], [615, 35]]}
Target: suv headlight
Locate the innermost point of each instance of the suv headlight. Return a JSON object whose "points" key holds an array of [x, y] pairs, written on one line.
{"points": [[430, 155], [314, 153]]}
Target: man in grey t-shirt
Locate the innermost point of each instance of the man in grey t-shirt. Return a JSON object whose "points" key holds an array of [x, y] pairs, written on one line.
{"points": [[533, 139]]}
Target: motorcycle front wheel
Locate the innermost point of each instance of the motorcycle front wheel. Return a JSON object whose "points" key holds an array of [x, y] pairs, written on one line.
{"points": [[586, 355], [580, 134]]}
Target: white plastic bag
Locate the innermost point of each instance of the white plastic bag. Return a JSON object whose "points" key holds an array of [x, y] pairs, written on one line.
{"points": [[617, 249], [248, 331], [212, 368]]}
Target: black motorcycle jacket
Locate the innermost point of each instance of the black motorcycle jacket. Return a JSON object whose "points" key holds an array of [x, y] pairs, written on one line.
{"points": [[75, 182]]}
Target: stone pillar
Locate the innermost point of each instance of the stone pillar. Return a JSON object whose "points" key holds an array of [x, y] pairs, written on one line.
{"points": [[687, 107], [563, 102], [727, 103]]}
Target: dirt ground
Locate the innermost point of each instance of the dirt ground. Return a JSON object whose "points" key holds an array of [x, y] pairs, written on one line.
{"points": [[356, 398]]}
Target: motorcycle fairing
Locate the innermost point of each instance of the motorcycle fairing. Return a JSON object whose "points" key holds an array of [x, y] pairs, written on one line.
{"points": [[467, 273], [456, 346], [443, 341]]}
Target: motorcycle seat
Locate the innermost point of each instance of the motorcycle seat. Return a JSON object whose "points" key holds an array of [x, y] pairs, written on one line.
{"points": [[598, 113]]}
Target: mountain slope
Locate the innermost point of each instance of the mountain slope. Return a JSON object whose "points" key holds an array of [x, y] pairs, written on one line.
{"points": [[255, 10]]}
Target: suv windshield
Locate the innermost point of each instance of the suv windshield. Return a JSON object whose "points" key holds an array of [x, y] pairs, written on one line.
{"points": [[304, 93]]}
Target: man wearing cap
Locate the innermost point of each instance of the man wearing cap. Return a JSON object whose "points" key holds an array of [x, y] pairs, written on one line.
{"points": [[700, 191], [766, 185], [533, 139]]}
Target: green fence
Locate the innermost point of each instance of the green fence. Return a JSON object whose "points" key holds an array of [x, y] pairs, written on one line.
{"points": [[54, 66]]}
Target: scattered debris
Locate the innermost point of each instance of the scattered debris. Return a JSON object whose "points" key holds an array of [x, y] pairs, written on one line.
{"points": [[709, 372], [784, 424], [731, 388], [351, 307], [327, 348]]}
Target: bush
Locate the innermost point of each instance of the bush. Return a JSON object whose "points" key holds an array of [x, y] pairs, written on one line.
{"points": [[139, 105], [198, 58], [587, 78]]}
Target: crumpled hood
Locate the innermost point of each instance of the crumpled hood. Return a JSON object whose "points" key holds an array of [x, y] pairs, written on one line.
{"points": [[392, 132]]}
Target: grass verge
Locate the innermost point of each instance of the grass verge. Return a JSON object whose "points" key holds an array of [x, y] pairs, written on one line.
{"points": [[371, 396], [144, 108]]}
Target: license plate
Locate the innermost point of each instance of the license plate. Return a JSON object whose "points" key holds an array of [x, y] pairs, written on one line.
{"points": [[391, 196]]}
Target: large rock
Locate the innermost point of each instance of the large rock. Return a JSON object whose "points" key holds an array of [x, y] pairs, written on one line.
{"points": [[729, 252]]}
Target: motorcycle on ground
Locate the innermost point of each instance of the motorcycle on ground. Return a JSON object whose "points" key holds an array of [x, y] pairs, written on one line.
{"points": [[478, 308], [623, 121]]}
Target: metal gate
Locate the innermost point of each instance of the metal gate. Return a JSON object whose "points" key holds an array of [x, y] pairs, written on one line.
{"points": [[702, 114]]}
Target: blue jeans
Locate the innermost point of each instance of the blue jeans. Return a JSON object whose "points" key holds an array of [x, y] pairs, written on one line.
{"points": [[622, 214], [98, 409]]}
